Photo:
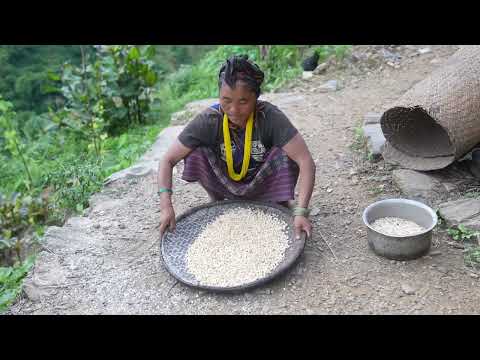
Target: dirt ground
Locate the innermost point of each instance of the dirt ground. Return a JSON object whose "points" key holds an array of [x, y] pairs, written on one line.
{"points": [[108, 261]]}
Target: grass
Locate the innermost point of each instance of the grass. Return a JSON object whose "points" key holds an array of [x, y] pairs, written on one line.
{"points": [[472, 257], [470, 239], [359, 144], [359, 141], [441, 221], [377, 190]]}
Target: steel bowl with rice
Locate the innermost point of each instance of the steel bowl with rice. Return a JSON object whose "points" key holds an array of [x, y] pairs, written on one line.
{"points": [[399, 229]]}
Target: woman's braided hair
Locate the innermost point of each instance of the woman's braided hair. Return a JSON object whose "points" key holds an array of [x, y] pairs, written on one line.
{"points": [[239, 67]]}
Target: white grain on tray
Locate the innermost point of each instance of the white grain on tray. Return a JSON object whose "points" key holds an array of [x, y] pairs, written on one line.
{"points": [[394, 226], [238, 247]]}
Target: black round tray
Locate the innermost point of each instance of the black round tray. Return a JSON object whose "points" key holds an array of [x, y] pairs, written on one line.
{"points": [[174, 245]]}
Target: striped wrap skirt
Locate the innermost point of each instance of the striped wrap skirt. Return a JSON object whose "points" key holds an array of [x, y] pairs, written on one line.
{"points": [[273, 181]]}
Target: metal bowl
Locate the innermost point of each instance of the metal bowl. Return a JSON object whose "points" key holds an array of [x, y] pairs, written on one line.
{"points": [[400, 247]]}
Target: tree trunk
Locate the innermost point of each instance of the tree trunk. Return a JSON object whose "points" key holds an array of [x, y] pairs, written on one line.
{"points": [[139, 113], [264, 50], [82, 50]]}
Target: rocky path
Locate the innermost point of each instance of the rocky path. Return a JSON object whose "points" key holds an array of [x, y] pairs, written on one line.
{"points": [[108, 261]]}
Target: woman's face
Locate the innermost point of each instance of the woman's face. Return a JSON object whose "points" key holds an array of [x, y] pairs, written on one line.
{"points": [[237, 103]]}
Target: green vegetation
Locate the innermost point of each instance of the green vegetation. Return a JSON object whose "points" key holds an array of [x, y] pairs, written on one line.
{"points": [[339, 52], [473, 194], [470, 238], [70, 116], [376, 190], [199, 81], [359, 144], [359, 141], [462, 233], [441, 221], [19, 214], [11, 281], [25, 70], [24, 73], [472, 257]]}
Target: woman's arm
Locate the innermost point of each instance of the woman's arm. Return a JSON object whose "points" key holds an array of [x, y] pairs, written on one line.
{"points": [[297, 150], [174, 154]]}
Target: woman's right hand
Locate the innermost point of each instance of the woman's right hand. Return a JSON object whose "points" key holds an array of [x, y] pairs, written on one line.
{"points": [[167, 219]]}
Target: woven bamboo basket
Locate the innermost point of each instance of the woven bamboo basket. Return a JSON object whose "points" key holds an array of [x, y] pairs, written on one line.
{"points": [[438, 120], [174, 246]]}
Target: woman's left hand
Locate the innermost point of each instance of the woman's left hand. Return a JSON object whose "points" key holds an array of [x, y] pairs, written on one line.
{"points": [[301, 223]]}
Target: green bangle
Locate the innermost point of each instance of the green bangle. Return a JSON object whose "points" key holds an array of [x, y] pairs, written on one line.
{"points": [[163, 190], [298, 211]]}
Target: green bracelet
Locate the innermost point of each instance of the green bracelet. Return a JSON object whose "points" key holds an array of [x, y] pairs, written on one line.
{"points": [[298, 211], [163, 190]]}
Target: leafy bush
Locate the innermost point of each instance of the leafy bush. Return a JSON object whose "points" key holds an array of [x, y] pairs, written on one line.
{"points": [[72, 183], [12, 142], [11, 279], [18, 214], [122, 151], [338, 51], [114, 91]]}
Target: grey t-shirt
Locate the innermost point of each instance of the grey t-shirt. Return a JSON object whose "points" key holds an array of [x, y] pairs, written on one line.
{"points": [[271, 129]]}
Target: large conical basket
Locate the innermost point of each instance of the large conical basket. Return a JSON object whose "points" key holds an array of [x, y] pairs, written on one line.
{"points": [[438, 120]]}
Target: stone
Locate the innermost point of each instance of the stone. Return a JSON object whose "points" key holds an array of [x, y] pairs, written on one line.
{"points": [[375, 139], [315, 211], [474, 168], [48, 272], [320, 68], [455, 245], [390, 56], [372, 118], [463, 211], [307, 75], [424, 51], [148, 163], [329, 86], [417, 185], [449, 187], [407, 289], [33, 292]]}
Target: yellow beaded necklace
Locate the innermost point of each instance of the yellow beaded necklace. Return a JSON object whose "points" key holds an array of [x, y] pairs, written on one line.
{"points": [[246, 152]]}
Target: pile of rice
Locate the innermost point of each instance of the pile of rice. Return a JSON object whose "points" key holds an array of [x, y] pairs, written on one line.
{"points": [[239, 247], [393, 226]]}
